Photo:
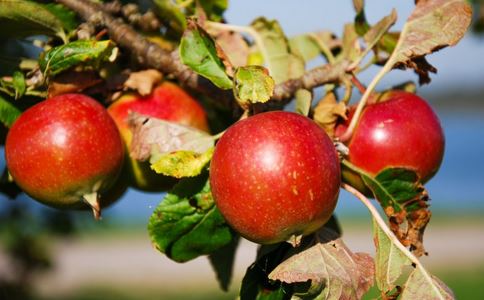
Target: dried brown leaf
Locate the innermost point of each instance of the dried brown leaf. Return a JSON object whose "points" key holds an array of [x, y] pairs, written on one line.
{"points": [[351, 45], [72, 82], [327, 262], [143, 81], [234, 46], [433, 25], [328, 111], [154, 137]]}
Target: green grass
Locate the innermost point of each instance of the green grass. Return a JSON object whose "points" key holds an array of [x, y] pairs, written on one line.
{"points": [[466, 284]]}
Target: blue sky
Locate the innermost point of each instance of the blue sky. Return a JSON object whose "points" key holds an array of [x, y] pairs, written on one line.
{"points": [[458, 67]]}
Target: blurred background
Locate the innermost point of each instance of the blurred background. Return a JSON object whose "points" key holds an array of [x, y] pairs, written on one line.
{"points": [[70, 256]]}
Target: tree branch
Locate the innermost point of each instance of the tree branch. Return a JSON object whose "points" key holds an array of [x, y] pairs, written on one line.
{"points": [[152, 55]]}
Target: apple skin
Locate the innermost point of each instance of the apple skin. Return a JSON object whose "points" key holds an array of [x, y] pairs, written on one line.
{"points": [[402, 131], [64, 148], [167, 102], [275, 176]]}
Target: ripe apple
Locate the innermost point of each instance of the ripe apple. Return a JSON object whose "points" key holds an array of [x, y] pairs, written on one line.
{"points": [[64, 151], [402, 131], [275, 177], [167, 102]]}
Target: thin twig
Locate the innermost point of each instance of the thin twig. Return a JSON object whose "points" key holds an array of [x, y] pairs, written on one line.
{"points": [[384, 227], [359, 109]]}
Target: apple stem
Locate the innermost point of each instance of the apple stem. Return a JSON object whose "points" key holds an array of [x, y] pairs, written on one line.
{"points": [[93, 201], [360, 86], [218, 135], [384, 227], [295, 240], [348, 89], [359, 109]]}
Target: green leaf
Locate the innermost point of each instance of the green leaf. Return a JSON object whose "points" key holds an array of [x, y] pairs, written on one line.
{"points": [[376, 32], [181, 164], [187, 224], [252, 84], [8, 112], [306, 46], [333, 270], [81, 52], [222, 261], [303, 101], [389, 260], [199, 52], [361, 24], [214, 8], [171, 13], [20, 18], [432, 25], [66, 16], [18, 82], [282, 62], [420, 285], [256, 284]]}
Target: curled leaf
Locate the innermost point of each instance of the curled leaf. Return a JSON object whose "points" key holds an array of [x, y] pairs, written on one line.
{"points": [[433, 25], [154, 137], [328, 111], [182, 163], [72, 82], [143, 81], [252, 84], [303, 101], [351, 45], [200, 52], [377, 32], [234, 45]]}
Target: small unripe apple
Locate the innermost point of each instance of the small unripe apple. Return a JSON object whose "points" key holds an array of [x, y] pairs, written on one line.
{"points": [[167, 102], [402, 131], [275, 177], [64, 151]]}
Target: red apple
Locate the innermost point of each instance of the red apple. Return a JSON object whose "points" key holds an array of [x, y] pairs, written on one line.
{"points": [[167, 102], [64, 151], [275, 176], [402, 131]]}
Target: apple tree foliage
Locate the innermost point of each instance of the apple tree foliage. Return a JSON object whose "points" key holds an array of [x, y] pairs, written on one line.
{"points": [[103, 48]]}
